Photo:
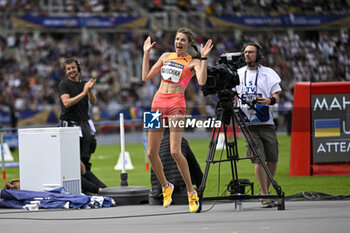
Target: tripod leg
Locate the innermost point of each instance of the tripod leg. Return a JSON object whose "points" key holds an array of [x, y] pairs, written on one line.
{"points": [[232, 156], [255, 149], [281, 203], [210, 157]]}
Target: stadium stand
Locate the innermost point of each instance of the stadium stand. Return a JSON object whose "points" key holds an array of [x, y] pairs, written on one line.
{"points": [[30, 60]]}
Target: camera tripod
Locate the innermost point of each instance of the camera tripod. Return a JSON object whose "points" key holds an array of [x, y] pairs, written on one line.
{"points": [[226, 113]]}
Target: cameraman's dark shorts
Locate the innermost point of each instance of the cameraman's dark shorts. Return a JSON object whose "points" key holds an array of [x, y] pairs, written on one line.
{"points": [[266, 139]]}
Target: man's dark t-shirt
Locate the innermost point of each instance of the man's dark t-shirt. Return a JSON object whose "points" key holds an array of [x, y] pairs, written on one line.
{"points": [[79, 111]]}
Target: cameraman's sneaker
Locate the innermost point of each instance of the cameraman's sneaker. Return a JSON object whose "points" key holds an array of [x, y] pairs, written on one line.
{"points": [[167, 192], [268, 203], [193, 202]]}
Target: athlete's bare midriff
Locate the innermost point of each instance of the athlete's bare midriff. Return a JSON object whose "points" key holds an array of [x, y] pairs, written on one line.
{"points": [[167, 87]]}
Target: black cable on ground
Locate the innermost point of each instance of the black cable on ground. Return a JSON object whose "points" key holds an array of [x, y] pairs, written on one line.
{"points": [[93, 218], [316, 196]]}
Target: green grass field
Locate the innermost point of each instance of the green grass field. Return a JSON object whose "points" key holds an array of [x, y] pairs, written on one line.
{"points": [[106, 156]]}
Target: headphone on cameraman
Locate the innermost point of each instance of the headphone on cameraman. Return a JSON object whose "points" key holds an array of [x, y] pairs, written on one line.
{"points": [[70, 60], [259, 54]]}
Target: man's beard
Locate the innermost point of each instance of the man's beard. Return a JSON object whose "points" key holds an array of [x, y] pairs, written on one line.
{"points": [[73, 75], [252, 64]]}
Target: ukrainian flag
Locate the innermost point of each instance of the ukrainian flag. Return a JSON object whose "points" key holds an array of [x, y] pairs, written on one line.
{"points": [[327, 128]]}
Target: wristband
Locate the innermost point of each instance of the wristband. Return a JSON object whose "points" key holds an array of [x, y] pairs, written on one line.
{"points": [[273, 100], [203, 58]]}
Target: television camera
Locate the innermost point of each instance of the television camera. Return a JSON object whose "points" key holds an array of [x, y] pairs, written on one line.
{"points": [[223, 76]]}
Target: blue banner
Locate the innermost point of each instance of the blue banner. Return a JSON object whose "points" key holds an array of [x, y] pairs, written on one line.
{"points": [[4, 117], [247, 22], [78, 22], [11, 139], [29, 117]]}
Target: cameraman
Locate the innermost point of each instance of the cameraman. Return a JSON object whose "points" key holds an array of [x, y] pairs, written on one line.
{"points": [[260, 85]]}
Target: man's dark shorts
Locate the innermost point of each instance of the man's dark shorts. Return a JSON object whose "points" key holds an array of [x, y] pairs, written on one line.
{"points": [[266, 139]]}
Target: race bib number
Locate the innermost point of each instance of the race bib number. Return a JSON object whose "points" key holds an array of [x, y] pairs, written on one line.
{"points": [[171, 71]]}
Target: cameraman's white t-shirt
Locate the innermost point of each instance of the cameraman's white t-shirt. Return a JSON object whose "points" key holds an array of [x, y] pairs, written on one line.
{"points": [[257, 83]]}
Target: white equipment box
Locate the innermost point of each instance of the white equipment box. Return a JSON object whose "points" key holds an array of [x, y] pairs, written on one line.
{"points": [[49, 157]]}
